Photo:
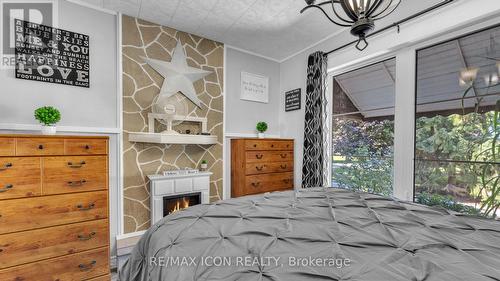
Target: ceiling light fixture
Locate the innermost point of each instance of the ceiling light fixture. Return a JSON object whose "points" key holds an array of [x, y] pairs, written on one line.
{"points": [[359, 15]]}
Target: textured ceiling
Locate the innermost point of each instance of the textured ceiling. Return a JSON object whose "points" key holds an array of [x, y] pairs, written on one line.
{"points": [[272, 28]]}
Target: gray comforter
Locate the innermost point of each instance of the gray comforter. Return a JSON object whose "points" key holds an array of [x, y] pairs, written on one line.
{"points": [[318, 234]]}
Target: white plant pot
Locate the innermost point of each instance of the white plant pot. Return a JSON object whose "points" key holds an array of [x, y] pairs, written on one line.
{"points": [[204, 166], [49, 130], [261, 135]]}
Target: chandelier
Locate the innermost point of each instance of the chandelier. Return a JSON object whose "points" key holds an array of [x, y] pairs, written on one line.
{"points": [[359, 15]]}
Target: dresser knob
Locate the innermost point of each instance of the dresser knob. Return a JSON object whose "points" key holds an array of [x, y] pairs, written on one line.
{"points": [[77, 183], [259, 168], [7, 188], [89, 236], [284, 166], [272, 145], [283, 155], [87, 147], [75, 166], [255, 184], [40, 146], [254, 145], [87, 267], [6, 166], [259, 156], [89, 207], [286, 181]]}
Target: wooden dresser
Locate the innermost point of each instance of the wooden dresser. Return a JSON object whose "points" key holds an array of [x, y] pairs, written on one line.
{"points": [[261, 165], [54, 208]]}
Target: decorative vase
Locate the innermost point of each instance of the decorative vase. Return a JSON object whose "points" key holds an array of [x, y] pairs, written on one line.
{"points": [[49, 130], [261, 135], [204, 166]]}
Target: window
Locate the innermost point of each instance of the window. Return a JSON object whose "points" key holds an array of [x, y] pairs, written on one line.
{"points": [[363, 128], [457, 124]]}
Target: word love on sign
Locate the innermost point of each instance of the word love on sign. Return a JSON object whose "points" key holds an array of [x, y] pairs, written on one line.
{"points": [[52, 55]]}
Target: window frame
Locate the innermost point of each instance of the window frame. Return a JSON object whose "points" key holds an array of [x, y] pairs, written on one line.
{"points": [[448, 40], [405, 106]]}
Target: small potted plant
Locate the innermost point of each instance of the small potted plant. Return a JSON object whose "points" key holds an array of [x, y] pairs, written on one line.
{"points": [[48, 116], [261, 129], [204, 165]]}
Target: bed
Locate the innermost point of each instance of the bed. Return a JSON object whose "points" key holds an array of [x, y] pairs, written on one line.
{"points": [[316, 234]]}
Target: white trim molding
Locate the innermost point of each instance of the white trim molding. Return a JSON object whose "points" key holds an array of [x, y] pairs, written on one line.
{"points": [[69, 129]]}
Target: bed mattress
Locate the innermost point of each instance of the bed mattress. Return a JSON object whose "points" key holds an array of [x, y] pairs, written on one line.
{"points": [[316, 234]]}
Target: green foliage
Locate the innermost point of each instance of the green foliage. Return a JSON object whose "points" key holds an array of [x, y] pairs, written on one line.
{"points": [[366, 149], [47, 115], [261, 127], [204, 162], [471, 137], [445, 201]]}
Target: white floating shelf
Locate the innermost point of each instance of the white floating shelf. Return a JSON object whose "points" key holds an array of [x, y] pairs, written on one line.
{"points": [[172, 139]]}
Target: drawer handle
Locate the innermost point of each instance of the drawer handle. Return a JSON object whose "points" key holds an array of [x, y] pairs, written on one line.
{"points": [[272, 145], [254, 145], [283, 155], [284, 166], [87, 267], [77, 183], [87, 147], [255, 184], [259, 156], [6, 166], [259, 168], [82, 208], [83, 237], [40, 146], [76, 166], [286, 181], [6, 188]]}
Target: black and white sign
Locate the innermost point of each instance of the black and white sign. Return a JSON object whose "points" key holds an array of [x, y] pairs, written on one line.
{"points": [[293, 100], [53, 55]]}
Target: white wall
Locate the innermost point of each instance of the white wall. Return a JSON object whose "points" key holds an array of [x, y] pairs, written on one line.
{"points": [[240, 116], [92, 111], [80, 107], [452, 20]]}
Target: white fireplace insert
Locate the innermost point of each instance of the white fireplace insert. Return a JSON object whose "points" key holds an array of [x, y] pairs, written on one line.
{"points": [[171, 193]]}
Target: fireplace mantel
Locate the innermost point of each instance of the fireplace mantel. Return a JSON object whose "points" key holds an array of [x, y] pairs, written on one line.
{"points": [[172, 185]]}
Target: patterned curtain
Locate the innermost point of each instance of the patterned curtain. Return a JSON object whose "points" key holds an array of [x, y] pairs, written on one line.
{"points": [[314, 167]]}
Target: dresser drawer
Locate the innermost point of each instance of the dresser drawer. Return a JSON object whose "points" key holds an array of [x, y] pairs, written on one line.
{"points": [[19, 177], [39, 146], [268, 145], [74, 174], [7, 147], [81, 266], [265, 168], [39, 212], [101, 278], [30, 246], [268, 182], [85, 146], [268, 156]]}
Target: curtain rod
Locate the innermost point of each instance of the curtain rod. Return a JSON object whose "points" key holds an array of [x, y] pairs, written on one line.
{"points": [[396, 24]]}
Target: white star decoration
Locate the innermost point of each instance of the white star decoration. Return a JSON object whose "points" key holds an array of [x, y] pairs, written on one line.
{"points": [[179, 77]]}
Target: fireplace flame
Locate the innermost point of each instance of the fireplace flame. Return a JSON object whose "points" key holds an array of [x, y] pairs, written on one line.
{"points": [[180, 204]]}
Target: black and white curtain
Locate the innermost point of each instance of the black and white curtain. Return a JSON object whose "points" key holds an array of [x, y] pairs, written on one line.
{"points": [[315, 163]]}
